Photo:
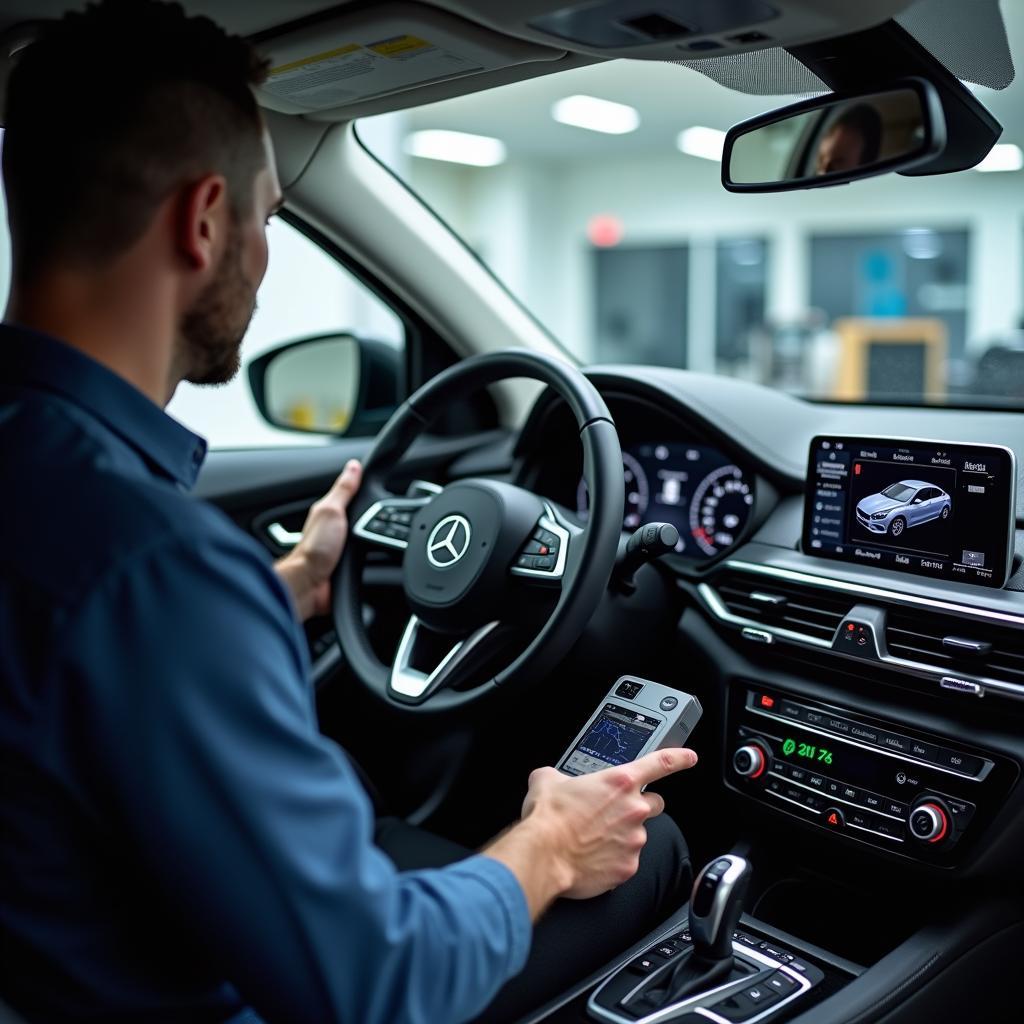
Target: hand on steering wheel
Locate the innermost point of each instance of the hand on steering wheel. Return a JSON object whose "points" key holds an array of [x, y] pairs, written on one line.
{"points": [[471, 561]]}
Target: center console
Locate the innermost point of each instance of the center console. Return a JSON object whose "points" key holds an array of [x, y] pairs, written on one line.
{"points": [[874, 781]]}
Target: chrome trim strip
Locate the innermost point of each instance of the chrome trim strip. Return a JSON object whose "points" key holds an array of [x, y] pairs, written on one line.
{"points": [[831, 797], [790, 800], [719, 610], [876, 750], [668, 1012], [870, 591], [411, 682], [361, 530], [282, 537], [547, 522], [871, 831]]}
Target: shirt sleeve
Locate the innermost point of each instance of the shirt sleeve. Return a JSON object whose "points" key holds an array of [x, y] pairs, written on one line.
{"points": [[191, 687]]}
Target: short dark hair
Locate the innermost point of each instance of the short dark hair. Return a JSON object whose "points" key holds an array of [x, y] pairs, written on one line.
{"points": [[107, 112], [866, 121]]}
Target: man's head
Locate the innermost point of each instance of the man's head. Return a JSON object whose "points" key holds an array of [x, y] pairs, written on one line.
{"points": [[132, 132], [854, 140]]}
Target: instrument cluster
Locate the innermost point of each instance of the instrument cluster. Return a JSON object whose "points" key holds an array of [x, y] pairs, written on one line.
{"points": [[696, 488]]}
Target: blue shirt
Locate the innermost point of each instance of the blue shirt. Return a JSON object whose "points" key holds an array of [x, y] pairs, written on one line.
{"points": [[178, 842]]}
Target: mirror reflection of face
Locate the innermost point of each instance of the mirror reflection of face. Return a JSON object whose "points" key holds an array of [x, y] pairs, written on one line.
{"points": [[842, 149]]}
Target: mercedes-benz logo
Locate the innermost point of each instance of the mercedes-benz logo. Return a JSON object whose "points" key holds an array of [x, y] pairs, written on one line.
{"points": [[448, 541]]}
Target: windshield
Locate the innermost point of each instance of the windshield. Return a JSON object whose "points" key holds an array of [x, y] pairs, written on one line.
{"points": [[609, 222], [898, 492]]}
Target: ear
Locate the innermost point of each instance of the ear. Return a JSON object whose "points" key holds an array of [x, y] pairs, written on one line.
{"points": [[202, 220]]}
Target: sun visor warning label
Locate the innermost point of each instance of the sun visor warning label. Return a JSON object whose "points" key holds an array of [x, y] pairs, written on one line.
{"points": [[357, 71]]}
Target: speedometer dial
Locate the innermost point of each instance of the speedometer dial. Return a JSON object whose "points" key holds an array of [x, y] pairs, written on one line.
{"points": [[638, 493], [720, 509]]}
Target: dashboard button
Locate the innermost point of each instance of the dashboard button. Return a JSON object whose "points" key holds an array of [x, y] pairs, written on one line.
{"points": [[872, 800], [967, 764], [790, 710], [893, 741], [781, 982], [834, 818], [863, 732], [923, 751], [894, 807], [834, 724], [646, 964]]}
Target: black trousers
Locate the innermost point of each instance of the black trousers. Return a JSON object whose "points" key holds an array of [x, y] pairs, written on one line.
{"points": [[575, 937]]}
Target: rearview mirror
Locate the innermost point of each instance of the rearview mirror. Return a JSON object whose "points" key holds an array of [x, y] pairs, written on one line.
{"points": [[327, 384], [832, 140]]}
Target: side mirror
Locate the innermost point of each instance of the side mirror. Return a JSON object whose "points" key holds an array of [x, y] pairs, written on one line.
{"points": [[327, 384], [832, 140]]}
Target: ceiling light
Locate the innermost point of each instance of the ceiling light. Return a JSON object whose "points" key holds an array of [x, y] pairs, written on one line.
{"points": [[706, 143], [1005, 157], [456, 147], [596, 115]]}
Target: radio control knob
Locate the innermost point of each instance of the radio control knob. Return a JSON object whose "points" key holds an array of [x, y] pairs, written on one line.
{"points": [[929, 822], [751, 760]]}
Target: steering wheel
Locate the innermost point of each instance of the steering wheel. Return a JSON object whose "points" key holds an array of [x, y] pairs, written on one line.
{"points": [[499, 582]]}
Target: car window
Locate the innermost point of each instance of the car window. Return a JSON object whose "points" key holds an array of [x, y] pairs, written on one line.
{"points": [[594, 194], [898, 492], [305, 292]]}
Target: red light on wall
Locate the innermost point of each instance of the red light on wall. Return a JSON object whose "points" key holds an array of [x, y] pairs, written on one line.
{"points": [[767, 702], [605, 230]]}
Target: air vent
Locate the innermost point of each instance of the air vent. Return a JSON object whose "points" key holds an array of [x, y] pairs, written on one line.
{"points": [[957, 646], [791, 606]]}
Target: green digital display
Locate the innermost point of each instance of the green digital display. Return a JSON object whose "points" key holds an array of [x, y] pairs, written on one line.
{"points": [[808, 751]]}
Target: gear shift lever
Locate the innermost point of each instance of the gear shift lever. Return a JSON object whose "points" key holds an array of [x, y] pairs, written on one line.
{"points": [[715, 908]]}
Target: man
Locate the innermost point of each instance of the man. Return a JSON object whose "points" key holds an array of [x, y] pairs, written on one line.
{"points": [[177, 840], [853, 140]]}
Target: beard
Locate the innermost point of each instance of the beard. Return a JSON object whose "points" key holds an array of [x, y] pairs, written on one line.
{"points": [[213, 329]]}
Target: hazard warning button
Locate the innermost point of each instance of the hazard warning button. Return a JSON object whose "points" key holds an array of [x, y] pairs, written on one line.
{"points": [[833, 817]]}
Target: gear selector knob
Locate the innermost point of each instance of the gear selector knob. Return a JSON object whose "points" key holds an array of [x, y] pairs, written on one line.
{"points": [[716, 905]]}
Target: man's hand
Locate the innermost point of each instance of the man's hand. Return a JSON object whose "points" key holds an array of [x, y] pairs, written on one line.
{"points": [[306, 570], [581, 836]]}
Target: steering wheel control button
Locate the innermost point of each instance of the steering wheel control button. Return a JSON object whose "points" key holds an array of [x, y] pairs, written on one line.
{"points": [[668, 703], [834, 818], [929, 822]]}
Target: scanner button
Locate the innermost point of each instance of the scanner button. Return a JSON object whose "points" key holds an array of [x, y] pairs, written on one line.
{"points": [[668, 703]]}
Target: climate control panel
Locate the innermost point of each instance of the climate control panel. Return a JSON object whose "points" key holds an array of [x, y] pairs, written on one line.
{"points": [[873, 781]]}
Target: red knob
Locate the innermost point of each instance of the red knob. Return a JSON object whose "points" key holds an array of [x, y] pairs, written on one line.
{"points": [[929, 822]]}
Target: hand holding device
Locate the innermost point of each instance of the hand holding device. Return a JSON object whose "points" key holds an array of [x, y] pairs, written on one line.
{"points": [[596, 820]]}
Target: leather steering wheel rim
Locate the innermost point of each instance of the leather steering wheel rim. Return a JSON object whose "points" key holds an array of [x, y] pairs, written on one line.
{"points": [[591, 554]]}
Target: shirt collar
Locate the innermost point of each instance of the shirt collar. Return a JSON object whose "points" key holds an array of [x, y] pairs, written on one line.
{"points": [[29, 357]]}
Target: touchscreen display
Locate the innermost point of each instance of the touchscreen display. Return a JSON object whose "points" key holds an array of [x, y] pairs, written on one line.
{"points": [[926, 507], [616, 736]]}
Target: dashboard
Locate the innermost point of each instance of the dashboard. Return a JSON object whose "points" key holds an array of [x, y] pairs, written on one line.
{"points": [[673, 474]]}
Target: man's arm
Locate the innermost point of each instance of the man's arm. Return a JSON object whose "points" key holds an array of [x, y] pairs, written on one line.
{"points": [[307, 569], [201, 749], [580, 837]]}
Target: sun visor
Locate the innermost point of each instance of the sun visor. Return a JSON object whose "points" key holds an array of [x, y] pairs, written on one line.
{"points": [[381, 50]]}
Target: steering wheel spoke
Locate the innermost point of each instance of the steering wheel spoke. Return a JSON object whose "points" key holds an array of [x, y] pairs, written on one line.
{"points": [[427, 661], [544, 556], [386, 522]]}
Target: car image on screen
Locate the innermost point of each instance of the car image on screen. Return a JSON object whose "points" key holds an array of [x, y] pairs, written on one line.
{"points": [[901, 505]]}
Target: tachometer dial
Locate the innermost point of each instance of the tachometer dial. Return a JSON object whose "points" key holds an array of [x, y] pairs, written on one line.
{"points": [[719, 510], [638, 493]]}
